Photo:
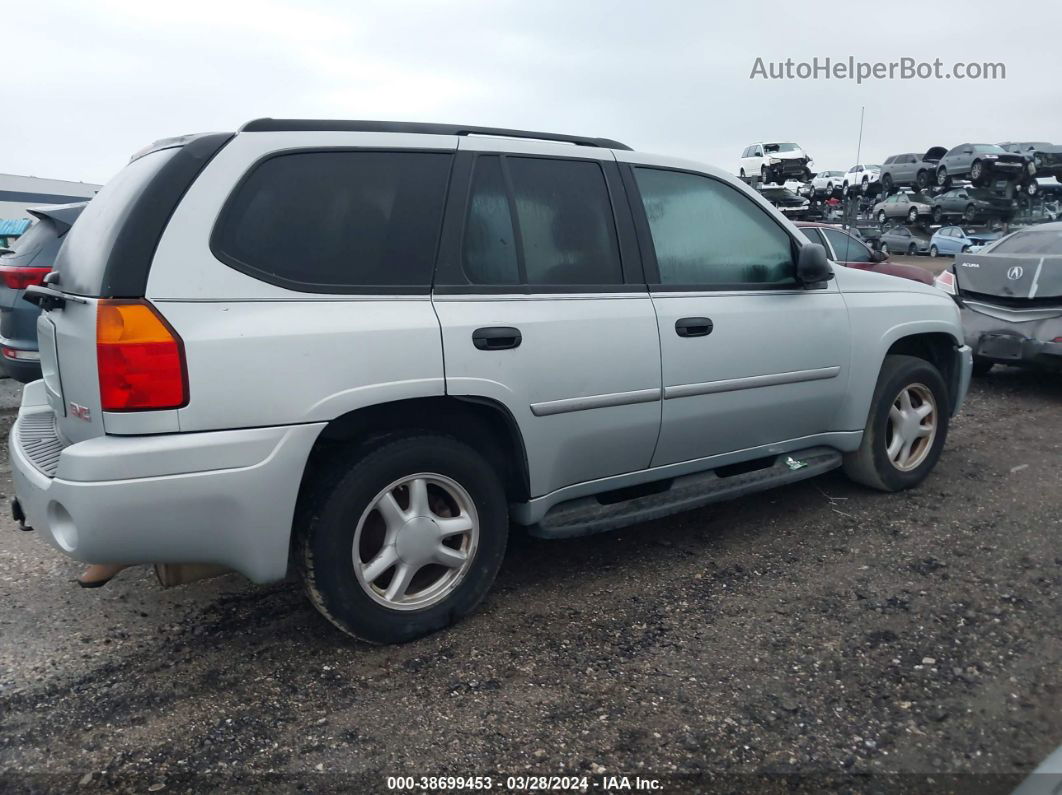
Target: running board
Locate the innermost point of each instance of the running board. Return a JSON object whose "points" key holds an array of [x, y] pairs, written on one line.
{"points": [[587, 515]]}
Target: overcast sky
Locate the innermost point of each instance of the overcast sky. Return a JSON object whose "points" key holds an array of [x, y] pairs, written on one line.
{"points": [[86, 84]]}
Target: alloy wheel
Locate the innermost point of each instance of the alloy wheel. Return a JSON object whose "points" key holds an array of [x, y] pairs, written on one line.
{"points": [[415, 542], [911, 427]]}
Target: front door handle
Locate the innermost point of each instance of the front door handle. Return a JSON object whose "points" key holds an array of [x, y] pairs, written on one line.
{"points": [[694, 326], [496, 338]]}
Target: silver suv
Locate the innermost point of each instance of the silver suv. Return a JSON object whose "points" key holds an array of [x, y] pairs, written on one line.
{"points": [[362, 350]]}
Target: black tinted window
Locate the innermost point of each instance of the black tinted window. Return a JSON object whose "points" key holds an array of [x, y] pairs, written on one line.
{"points": [[708, 233], [330, 221], [563, 221]]}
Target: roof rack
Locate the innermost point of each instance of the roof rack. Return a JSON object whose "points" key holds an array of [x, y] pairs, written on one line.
{"points": [[342, 125]]}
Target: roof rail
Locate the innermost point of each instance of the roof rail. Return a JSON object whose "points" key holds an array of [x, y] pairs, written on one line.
{"points": [[341, 125]]}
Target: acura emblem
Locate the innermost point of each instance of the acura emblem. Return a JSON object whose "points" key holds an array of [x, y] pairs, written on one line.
{"points": [[1015, 273]]}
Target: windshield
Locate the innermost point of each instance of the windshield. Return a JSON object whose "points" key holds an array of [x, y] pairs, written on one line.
{"points": [[988, 148], [1030, 242], [781, 147]]}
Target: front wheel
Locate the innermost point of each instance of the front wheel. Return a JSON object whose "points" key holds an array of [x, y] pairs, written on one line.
{"points": [[933, 251], [402, 539], [884, 249], [906, 427], [938, 215], [912, 250], [881, 217], [922, 180], [912, 215], [942, 177], [969, 214], [976, 172]]}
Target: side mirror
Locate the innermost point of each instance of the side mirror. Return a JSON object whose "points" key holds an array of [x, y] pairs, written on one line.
{"points": [[812, 265], [878, 256]]}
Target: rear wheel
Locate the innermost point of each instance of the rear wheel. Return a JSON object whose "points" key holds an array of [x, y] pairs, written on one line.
{"points": [[881, 217], [977, 171], [402, 539], [906, 427], [912, 215], [884, 248], [938, 215], [942, 177], [969, 214]]}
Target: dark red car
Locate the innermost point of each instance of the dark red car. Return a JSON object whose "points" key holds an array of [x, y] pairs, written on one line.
{"points": [[846, 249]]}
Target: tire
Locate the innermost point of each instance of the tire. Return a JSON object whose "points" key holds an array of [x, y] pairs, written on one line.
{"points": [[912, 250], [742, 173], [884, 248], [938, 215], [340, 510], [886, 184], [942, 177], [964, 249], [977, 171], [912, 216], [844, 189], [933, 251], [881, 217], [763, 174], [922, 180], [871, 465], [829, 188], [981, 367], [969, 214], [1032, 187], [863, 185]]}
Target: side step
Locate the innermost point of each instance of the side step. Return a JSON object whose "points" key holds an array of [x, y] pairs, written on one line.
{"points": [[588, 515]]}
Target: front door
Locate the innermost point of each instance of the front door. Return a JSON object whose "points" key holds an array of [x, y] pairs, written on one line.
{"points": [[749, 357]]}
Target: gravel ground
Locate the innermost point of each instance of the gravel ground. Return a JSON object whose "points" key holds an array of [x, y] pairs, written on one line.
{"points": [[815, 636]]}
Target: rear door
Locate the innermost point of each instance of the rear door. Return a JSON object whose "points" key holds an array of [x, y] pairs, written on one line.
{"points": [[544, 309], [748, 356]]}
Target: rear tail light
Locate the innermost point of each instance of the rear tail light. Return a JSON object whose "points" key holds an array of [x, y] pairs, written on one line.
{"points": [[946, 282], [20, 278], [20, 356], [140, 358]]}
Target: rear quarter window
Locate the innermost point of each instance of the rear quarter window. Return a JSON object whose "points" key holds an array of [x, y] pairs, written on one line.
{"points": [[337, 221]]}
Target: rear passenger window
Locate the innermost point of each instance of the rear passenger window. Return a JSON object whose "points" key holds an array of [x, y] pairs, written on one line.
{"points": [[555, 227], [706, 233], [340, 221]]}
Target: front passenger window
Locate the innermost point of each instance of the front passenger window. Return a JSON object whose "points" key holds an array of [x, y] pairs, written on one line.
{"points": [[706, 233]]}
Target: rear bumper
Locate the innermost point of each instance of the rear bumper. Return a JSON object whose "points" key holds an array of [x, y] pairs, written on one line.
{"points": [[1027, 343], [21, 370], [224, 497]]}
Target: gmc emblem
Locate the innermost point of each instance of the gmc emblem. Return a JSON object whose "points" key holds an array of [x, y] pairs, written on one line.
{"points": [[81, 412]]}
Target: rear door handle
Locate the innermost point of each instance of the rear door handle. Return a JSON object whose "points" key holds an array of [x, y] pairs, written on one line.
{"points": [[496, 338], [694, 326]]}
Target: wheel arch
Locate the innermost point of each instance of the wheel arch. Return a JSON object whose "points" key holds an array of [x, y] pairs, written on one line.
{"points": [[939, 348], [482, 423]]}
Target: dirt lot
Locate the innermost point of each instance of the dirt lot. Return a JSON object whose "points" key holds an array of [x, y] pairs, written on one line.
{"points": [[813, 633]]}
